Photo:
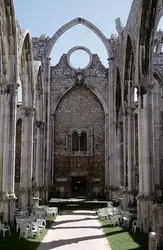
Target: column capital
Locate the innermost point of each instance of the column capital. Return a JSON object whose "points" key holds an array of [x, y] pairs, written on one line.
{"points": [[28, 111], [130, 111], [5, 196], [9, 88]]}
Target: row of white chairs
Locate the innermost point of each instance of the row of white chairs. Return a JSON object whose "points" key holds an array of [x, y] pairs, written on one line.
{"points": [[29, 230], [116, 216]]}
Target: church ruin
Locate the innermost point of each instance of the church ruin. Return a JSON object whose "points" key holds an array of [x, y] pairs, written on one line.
{"points": [[88, 132]]}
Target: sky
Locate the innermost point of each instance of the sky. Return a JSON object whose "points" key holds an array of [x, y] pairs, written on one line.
{"points": [[47, 16]]}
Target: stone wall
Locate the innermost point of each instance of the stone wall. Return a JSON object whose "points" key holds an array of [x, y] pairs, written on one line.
{"points": [[80, 109], [39, 45], [75, 106]]}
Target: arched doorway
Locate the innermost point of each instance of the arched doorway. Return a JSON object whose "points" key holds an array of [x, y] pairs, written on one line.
{"points": [[79, 143]]}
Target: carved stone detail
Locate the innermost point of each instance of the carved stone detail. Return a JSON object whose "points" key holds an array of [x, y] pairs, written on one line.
{"points": [[28, 111], [79, 78]]}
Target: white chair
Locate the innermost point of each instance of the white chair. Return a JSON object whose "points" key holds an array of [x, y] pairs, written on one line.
{"points": [[114, 220], [18, 222], [5, 229], [34, 231], [102, 213], [136, 224], [24, 231], [41, 223]]}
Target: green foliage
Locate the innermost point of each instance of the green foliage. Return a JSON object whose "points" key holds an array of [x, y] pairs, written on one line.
{"points": [[124, 239]]}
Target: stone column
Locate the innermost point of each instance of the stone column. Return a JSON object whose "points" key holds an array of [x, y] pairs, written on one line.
{"points": [[125, 202], [111, 125], [2, 118], [130, 146], [124, 147], [5, 193], [147, 142], [140, 148], [145, 199], [39, 147], [8, 181], [47, 172], [152, 241], [119, 154], [12, 137], [26, 156]]}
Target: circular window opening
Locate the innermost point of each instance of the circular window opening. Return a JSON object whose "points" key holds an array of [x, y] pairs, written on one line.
{"points": [[79, 59]]}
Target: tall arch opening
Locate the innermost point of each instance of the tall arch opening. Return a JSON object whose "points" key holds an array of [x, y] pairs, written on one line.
{"points": [[79, 143]]}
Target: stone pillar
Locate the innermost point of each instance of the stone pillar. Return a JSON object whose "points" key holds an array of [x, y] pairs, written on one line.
{"points": [[140, 148], [130, 147], [145, 200], [8, 181], [39, 147], [147, 142], [130, 138], [124, 147], [47, 168], [119, 154], [2, 118], [112, 126], [5, 190], [152, 241], [124, 159], [12, 137], [26, 156]]}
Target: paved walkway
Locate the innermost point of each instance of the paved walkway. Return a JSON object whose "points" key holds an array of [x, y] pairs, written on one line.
{"points": [[75, 230]]}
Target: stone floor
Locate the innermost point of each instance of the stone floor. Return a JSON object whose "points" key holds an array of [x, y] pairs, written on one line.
{"points": [[75, 230]]}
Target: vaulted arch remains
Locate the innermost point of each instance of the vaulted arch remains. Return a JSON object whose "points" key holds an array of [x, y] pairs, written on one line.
{"points": [[71, 24]]}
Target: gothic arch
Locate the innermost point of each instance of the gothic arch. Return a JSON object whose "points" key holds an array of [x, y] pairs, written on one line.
{"points": [[26, 71], [129, 67], [39, 93], [146, 35], [101, 100], [158, 76], [8, 41], [73, 23]]}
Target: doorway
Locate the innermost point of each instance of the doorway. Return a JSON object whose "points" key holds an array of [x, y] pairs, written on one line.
{"points": [[78, 186]]}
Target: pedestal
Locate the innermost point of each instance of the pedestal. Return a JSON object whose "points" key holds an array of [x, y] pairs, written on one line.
{"points": [[35, 202], [125, 201], [144, 208], [12, 208], [152, 241], [30, 198], [24, 199], [157, 222], [5, 207]]}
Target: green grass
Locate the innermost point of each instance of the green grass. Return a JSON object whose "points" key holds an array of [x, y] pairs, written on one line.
{"points": [[124, 239], [13, 243]]}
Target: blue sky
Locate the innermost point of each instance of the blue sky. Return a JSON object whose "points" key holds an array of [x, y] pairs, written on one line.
{"points": [[46, 16]]}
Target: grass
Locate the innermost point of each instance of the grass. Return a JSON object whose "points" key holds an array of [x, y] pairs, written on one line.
{"points": [[124, 239], [12, 242]]}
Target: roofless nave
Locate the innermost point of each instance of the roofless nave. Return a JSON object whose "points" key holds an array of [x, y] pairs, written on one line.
{"points": [[79, 132]]}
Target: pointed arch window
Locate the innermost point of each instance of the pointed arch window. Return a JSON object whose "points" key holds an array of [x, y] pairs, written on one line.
{"points": [[83, 141], [79, 141], [75, 141]]}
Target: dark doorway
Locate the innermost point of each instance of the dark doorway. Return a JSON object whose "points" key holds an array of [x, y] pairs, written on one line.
{"points": [[78, 186]]}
